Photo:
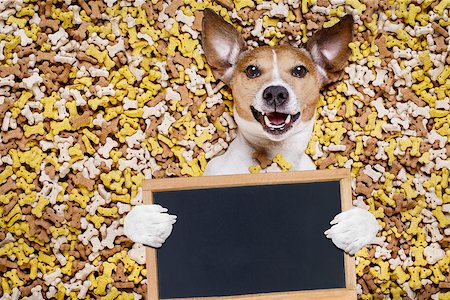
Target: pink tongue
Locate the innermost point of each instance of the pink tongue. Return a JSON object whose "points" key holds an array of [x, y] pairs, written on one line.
{"points": [[276, 118]]}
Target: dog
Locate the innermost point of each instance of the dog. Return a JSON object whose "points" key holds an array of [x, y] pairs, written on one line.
{"points": [[275, 91]]}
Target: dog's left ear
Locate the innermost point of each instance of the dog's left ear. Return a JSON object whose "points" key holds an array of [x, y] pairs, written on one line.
{"points": [[329, 48], [222, 44]]}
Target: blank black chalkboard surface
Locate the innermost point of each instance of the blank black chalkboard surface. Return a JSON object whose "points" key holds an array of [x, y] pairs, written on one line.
{"points": [[251, 237]]}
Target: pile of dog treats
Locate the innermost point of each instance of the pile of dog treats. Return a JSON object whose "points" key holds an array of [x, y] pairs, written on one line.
{"points": [[96, 96]]}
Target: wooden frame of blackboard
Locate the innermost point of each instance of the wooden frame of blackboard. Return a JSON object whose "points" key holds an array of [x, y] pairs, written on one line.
{"points": [[191, 183]]}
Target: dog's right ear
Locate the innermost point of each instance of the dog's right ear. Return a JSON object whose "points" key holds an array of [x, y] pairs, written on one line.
{"points": [[222, 44], [329, 48]]}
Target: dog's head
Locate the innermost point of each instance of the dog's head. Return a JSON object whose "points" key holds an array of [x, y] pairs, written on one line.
{"points": [[275, 89]]}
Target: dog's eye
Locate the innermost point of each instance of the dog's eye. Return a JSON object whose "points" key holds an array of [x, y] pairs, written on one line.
{"points": [[252, 71], [299, 71]]}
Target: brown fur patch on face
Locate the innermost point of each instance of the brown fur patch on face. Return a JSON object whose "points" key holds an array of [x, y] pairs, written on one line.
{"points": [[306, 89], [243, 88]]}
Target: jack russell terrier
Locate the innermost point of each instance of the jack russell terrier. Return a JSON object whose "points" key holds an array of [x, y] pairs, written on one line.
{"points": [[275, 91]]}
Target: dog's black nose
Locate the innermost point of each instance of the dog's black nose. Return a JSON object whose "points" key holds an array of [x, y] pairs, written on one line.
{"points": [[276, 95]]}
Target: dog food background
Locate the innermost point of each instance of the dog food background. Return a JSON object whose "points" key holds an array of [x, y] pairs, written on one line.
{"points": [[96, 96]]}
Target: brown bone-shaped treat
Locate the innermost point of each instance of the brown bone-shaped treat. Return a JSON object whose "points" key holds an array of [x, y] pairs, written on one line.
{"points": [[166, 151], [159, 173], [110, 252], [85, 6], [102, 81], [50, 171], [325, 162], [104, 167], [158, 98], [215, 111], [41, 38], [173, 7], [80, 33], [64, 75], [262, 159], [370, 147], [49, 23], [150, 12], [78, 265], [23, 64], [198, 14], [369, 281], [124, 241], [441, 45], [6, 187], [97, 8], [5, 264], [25, 51], [107, 129], [74, 215], [364, 178], [120, 273], [371, 7], [361, 188], [382, 49], [184, 93], [142, 290], [7, 70], [64, 247], [81, 121], [198, 101], [228, 4], [84, 251], [364, 117], [45, 56], [152, 128], [439, 29], [84, 57], [48, 8], [418, 125], [172, 68], [5, 147], [426, 292], [178, 134], [409, 160], [408, 95], [25, 291], [124, 285], [49, 214], [161, 46], [184, 61], [365, 289], [173, 170], [8, 207], [80, 180]]}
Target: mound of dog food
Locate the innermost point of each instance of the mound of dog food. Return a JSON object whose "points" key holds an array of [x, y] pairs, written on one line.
{"points": [[95, 96]]}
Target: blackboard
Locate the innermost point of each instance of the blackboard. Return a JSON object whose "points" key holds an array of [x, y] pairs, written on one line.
{"points": [[245, 236]]}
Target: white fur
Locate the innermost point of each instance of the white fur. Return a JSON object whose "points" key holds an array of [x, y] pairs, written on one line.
{"points": [[158, 225], [353, 229], [238, 157], [292, 107]]}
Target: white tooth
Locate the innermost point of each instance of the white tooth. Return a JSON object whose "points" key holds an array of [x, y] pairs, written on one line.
{"points": [[267, 121], [288, 119], [277, 126]]}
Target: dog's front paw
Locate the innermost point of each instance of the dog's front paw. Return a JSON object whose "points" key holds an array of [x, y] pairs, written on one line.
{"points": [[353, 229], [150, 225]]}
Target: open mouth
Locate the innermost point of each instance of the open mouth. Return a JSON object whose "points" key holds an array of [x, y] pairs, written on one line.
{"points": [[275, 122]]}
